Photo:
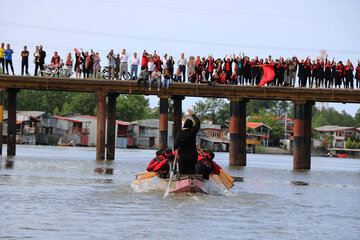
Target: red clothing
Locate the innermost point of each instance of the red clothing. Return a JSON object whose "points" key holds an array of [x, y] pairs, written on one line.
{"points": [[223, 78], [144, 61], [216, 169]]}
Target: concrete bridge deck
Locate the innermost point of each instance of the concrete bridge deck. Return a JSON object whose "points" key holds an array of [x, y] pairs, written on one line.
{"points": [[182, 89]]}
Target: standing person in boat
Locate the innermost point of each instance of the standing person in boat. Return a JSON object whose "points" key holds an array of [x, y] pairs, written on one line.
{"points": [[185, 143]]}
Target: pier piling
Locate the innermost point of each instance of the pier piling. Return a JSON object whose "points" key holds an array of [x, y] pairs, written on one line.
{"points": [[163, 122], [100, 134], [11, 131], [237, 145], [302, 135], [111, 126]]}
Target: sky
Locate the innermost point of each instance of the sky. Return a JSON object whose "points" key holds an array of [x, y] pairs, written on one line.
{"points": [[198, 28]]}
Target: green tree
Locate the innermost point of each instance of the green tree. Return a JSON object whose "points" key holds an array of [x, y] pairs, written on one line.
{"points": [[130, 107], [214, 110]]}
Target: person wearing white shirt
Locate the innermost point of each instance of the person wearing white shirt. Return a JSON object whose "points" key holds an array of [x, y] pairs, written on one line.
{"points": [[182, 62], [164, 62], [123, 65], [134, 63], [151, 66], [155, 76]]}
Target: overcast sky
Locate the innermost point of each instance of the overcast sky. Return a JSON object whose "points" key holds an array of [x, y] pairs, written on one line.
{"points": [[201, 27]]}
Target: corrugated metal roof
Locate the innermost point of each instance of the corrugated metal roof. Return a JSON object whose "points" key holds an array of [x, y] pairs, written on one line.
{"points": [[333, 128]]}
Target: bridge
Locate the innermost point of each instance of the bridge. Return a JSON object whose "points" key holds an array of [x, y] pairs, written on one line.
{"points": [[302, 98]]}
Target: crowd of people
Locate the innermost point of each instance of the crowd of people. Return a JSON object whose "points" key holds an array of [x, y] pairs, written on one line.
{"points": [[237, 70]]}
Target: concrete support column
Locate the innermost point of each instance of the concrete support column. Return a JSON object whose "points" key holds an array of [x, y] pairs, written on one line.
{"points": [[11, 131], [302, 135], [1, 117], [177, 115], [163, 123], [111, 126], [237, 146], [100, 134]]}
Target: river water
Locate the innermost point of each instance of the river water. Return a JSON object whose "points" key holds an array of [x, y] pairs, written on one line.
{"points": [[63, 193]]}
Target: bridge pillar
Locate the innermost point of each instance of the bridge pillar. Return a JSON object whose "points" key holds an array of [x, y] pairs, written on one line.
{"points": [[111, 126], [237, 145], [100, 134], [11, 131], [302, 135], [177, 115], [1, 117], [163, 122]]}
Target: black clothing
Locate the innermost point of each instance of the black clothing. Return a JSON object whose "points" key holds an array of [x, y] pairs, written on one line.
{"points": [[41, 61], [185, 142], [204, 166]]}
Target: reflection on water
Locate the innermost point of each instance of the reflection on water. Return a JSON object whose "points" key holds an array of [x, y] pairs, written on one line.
{"points": [[63, 193]]}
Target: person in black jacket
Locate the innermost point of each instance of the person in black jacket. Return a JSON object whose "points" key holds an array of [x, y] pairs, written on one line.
{"points": [[42, 57], [185, 143]]}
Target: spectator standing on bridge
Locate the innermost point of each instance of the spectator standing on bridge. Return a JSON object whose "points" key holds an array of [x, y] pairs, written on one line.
{"points": [[144, 60], [111, 64], [25, 61], [210, 65], [87, 63], [8, 59], [182, 62], [124, 65], [151, 65], [134, 63], [170, 66], [327, 74], [69, 63], [349, 68], [191, 66], [164, 63], [78, 63], [339, 74], [96, 65], [2, 60], [117, 66], [42, 56], [36, 59], [357, 75]]}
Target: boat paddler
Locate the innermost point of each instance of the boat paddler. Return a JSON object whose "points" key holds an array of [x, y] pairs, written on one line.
{"points": [[185, 142]]}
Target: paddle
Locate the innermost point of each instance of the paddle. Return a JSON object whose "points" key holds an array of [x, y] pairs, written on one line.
{"points": [[171, 175], [145, 176], [225, 178]]}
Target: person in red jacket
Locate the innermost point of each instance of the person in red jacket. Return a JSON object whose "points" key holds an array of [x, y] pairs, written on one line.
{"points": [[155, 161], [144, 60], [164, 166], [205, 164], [210, 66], [339, 74], [349, 76], [223, 77], [357, 75]]}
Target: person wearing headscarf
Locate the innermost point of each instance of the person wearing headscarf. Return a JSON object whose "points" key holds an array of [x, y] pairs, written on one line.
{"points": [[185, 143]]}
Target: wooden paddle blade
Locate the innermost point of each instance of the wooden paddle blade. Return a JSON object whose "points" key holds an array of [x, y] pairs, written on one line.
{"points": [[227, 183], [231, 179], [145, 176]]}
